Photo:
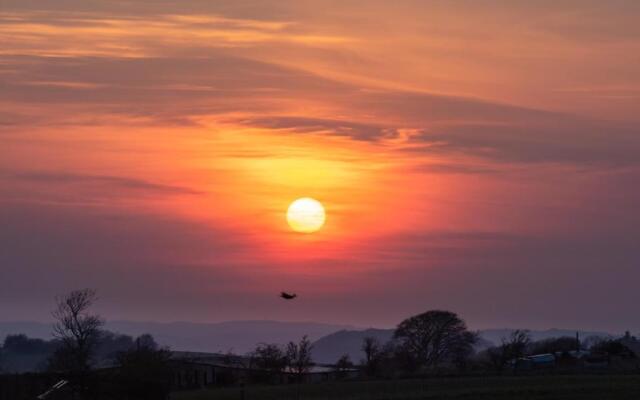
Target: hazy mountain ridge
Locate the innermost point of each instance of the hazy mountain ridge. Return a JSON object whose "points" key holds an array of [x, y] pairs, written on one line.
{"points": [[330, 348]]}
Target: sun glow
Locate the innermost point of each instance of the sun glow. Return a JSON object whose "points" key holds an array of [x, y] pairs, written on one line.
{"points": [[306, 215]]}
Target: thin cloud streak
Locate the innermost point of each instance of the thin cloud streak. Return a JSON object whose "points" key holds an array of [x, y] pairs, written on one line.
{"points": [[115, 182]]}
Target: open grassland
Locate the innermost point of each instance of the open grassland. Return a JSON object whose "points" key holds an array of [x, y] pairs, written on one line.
{"points": [[583, 387]]}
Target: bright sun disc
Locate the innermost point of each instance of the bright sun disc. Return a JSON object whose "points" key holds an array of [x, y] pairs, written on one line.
{"points": [[306, 215]]}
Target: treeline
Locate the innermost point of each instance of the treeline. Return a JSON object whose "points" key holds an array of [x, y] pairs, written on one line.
{"points": [[424, 342], [439, 342], [294, 357], [519, 344], [19, 353]]}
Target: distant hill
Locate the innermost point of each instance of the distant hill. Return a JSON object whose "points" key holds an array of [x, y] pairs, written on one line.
{"points": [[329, 348], [238, 336], [37, 330]]}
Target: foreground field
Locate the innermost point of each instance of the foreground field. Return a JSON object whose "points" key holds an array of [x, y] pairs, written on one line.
{"points": [[583, 387]]}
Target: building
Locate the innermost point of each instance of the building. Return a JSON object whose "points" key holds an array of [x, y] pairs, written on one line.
{"points": [[196, 370]]}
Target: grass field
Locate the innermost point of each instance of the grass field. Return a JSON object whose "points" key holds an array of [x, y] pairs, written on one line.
{"points": [[584, 387]]}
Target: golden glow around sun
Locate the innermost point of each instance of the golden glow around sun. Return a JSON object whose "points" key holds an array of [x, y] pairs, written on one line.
{"points": [[306, 215]]}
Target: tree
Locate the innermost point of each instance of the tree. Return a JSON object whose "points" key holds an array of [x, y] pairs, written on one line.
{"points": [[20, 353], [461, 349], [513, 347], [371, 349], [21, 344], [344, 362], [144, 371], [613, 348], [299, 356], [395, 358], [594, 340], [518, 342], [110, 344], [146, 341], [343, 365], [435, 337], [269, 357], [78, 331]]}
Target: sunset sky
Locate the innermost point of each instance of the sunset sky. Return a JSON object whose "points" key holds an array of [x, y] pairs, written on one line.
{"points": [[477, 156]]}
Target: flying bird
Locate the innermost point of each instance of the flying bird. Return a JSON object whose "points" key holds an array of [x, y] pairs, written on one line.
{"points": [[288, 296]]}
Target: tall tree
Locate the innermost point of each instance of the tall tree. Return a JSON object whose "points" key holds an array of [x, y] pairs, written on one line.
{"points": [[299, 356], [371, 348], [78, 331], [343, 365], [512, 347], [434, 337]]}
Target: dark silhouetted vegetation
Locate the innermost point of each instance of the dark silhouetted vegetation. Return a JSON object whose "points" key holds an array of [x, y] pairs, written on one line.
{"points": [[269, 357], [343, 365], [298, 356], [20, 353], [513, 347], [434, 338], [430, 346], [614, 348], [78, 332], [144, 372], [371, 348], [553, 345]]}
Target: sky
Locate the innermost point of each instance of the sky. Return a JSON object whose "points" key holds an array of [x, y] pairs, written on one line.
{"points": [[476, 156]]}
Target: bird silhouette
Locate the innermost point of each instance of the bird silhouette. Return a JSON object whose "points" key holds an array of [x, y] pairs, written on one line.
{"points": [[288, 296]]}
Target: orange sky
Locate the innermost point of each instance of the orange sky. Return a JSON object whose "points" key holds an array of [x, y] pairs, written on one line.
{"points": [[460, 149]]}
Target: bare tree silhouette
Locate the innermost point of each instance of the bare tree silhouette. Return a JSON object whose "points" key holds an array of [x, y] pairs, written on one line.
{"points": [[343, 365], [78, 331], [371, 348], [513, 347], [299, 356]]}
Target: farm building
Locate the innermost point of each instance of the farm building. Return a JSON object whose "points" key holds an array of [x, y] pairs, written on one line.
{"points": [[196, 370]]}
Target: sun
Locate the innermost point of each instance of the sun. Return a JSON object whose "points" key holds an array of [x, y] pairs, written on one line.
{"points": [[306, 215]]}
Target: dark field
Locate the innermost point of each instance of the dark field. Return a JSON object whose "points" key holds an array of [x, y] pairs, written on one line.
{"points": [[589, 387]]}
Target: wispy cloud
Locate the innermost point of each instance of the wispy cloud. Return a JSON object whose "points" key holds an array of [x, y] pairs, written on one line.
{"points": [[296, 124], [112, 182]]}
